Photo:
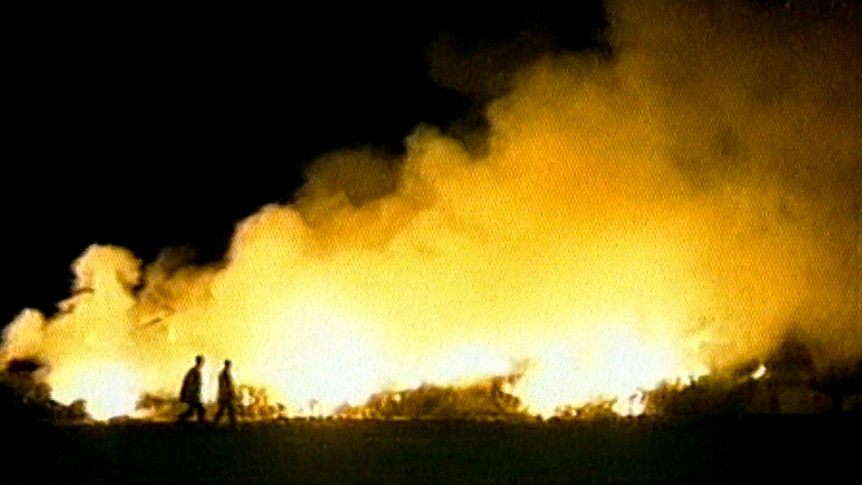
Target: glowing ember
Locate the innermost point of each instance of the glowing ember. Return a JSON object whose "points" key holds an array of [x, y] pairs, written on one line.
{"points": [[760, 372]]}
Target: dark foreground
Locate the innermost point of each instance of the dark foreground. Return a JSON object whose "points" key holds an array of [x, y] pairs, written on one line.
{"points": [[823, 449]]}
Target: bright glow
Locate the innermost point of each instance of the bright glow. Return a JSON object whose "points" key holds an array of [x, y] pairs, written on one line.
{"points": [[616, 364], [108, 388], [760, 372], [316, 352]]}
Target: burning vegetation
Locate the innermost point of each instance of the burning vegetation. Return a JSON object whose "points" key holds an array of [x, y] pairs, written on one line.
{"points": [[488, 399], [633, 226]]}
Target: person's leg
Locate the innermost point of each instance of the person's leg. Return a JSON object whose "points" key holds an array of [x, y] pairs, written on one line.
{"points": [[185, 415], [199, 407], [231, 412]]}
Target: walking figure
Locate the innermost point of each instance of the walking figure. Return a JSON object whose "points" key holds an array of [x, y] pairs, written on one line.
{"points": [[226, 394], [191, 392]]}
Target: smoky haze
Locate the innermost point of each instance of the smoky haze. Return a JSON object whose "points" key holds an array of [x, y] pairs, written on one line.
{"points": [[694, 195]]}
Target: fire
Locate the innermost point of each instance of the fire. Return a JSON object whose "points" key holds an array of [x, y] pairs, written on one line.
{"points": [[627, 221], [109, 388], [333, 361], [618, 364]]}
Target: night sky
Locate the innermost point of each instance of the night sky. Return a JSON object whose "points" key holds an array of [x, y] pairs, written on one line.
{"points": [[155, 128]]}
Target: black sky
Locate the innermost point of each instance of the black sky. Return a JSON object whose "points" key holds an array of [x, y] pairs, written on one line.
{"points": [[152, 128]]}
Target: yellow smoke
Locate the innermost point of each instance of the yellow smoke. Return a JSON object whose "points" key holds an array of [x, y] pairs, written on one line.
{"points": [[654, 214]]}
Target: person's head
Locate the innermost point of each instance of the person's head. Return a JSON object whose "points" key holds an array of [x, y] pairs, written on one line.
{"points": [[227, 364], [199, 360]]}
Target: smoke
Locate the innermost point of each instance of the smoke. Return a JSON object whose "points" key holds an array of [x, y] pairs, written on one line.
{"points": [[760, 110], [684, 203]]}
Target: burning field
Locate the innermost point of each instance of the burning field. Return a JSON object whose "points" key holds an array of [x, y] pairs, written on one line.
{"points": [[678, 216]]}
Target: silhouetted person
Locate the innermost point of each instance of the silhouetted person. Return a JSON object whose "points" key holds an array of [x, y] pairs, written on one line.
{"points": [[191, 392], [226, 394]]}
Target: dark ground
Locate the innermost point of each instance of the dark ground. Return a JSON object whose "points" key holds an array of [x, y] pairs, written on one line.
{"points": [[822, 449]]}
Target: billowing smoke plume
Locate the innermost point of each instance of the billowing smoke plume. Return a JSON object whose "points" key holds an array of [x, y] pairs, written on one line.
{"points": [[678, 206]]}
